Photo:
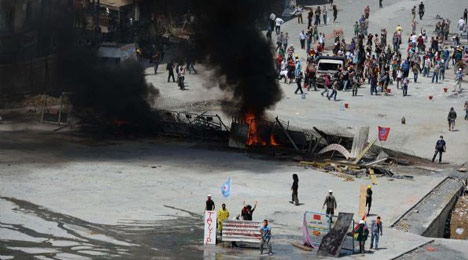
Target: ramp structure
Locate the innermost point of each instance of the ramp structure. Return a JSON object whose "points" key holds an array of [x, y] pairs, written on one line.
{"points": [[333, 241]]}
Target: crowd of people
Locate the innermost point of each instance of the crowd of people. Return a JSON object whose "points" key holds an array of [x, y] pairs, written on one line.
{"points": [[370, 57]]}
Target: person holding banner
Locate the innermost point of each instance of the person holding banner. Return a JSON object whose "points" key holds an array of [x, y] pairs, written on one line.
{"points": [[223, 214]]}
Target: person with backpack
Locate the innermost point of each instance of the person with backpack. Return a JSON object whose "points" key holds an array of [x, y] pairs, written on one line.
{"points": [[440, 148]]}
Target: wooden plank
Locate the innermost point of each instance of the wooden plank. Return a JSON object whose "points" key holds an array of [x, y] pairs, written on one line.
{"points": [[364, 151], [376, 162], [301, 246], [315, 164], [362, 201], [372, 176]]}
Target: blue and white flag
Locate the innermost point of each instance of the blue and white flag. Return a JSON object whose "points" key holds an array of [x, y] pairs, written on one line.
{"points": [[226, 188]]}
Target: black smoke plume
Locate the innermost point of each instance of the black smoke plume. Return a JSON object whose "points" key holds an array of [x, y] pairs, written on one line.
{"points": [[227, 38]]}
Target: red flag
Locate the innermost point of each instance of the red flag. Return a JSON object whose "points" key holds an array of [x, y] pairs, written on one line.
{"points": [[383, 133]]}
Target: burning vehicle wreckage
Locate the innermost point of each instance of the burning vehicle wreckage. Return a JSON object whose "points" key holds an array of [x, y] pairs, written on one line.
{"points": [[342, 154]]}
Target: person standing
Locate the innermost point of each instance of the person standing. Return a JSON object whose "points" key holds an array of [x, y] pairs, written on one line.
{"points": [[302, 39], [330, 202], [310, 17], [210, 205], [318, 12], [247, 211], [404, 86], [362, 234], [170, 70], [299, 78], [452, 116], [376, 232], [465, 15], [272, 21], [355, 87], [265, 230], [366, 12], [421, 10], [223, 214], [458, 79], [335, 13], [415, 70], [325, 15], [368, 198], [156, 61], [181, 76], [466, 110], [440, 148], [380, 3], [435, 73], [294, 188]]}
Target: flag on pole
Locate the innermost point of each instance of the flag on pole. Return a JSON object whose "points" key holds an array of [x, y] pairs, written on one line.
{"points": [[383, 133], [226, 188]]}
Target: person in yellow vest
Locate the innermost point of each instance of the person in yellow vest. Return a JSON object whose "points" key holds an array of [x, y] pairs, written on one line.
{"points": [[223, 214]]}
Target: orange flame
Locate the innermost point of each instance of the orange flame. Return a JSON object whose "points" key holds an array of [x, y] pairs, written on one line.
{"points": [[253, 137]]}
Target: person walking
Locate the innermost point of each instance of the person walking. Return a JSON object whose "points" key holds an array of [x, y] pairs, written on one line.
{"points": [[452, 116], [362, 234], [404, 86], [326, 85], [310, 17], [210, 205], [380, 3], [415, 70], [440, 148], [170, 70], [355, 87], [335, 13], [294, 188], [421, 10], [223, 214], [272, 21], [376, 233], [334, 90], [330, 202], [368, 198], [465, 15], [278, 23], [265, 230], [299, 78]]}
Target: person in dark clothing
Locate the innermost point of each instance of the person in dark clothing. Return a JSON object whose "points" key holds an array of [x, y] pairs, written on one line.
{"points": [[299, 78], [294, 188], [380, 3], [156, 61], [363, 233], [170, 69], [335, 13], [330, 202], [421, 10], [310, 17], [369, 199], [452, 116], [440, 148], [210, 205], [247, 211]]}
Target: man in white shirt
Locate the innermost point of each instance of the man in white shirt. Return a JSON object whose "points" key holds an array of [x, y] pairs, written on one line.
{"points": [[461, 25], [278, 23]]}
